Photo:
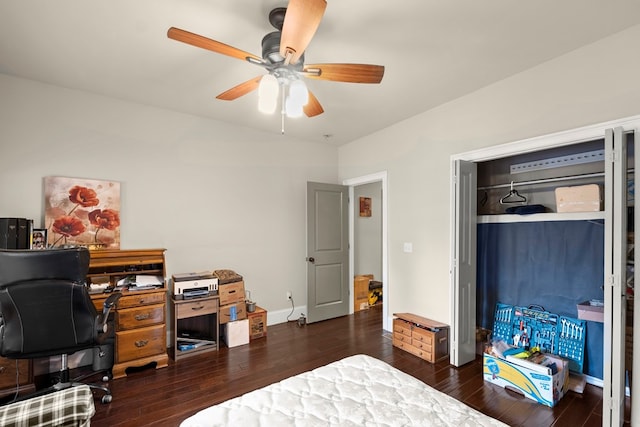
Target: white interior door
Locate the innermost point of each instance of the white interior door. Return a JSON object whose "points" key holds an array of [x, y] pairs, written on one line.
{"points": [[463, 262], [615, 243], [327, 251]]}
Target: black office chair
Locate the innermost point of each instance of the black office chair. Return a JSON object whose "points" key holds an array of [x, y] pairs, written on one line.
{"points": [[46, 310]]}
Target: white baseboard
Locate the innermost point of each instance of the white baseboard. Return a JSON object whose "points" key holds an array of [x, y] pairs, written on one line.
{"points": [[282, 316]]}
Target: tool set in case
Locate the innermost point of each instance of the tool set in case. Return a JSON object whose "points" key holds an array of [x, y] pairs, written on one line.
{"points": [[532, 326]]}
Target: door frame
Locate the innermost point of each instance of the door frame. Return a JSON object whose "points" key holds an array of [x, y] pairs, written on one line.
{"points": [[351, 183]]}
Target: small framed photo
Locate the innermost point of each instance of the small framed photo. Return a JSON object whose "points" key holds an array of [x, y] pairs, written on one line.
{"points": [[39, 238]]}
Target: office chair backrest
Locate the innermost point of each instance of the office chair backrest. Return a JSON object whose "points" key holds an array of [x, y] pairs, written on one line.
{"points": [[45, 308], [65, 264]]}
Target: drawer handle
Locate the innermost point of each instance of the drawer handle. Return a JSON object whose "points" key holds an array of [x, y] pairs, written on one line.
{"points": [[2, 369], [197, 308], [443, 339], [141, 343], [143, 316]]}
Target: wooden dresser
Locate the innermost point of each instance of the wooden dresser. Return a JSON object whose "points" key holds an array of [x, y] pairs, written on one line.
{"points": [[425, 338], [8, 369], [140, 315]]}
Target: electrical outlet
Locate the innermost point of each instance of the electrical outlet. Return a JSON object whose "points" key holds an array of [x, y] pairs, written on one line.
{"points": [[288, 295]]}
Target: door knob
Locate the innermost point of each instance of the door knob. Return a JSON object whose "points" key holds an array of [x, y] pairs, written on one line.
{"points": [[311, 259]]}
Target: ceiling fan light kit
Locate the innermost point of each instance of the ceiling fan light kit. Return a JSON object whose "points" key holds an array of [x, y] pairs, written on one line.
{"points": [[283, 55], [268, 94]]}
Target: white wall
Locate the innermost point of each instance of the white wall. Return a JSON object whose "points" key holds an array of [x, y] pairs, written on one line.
{"points": [[367, 233], [214, 195], [593, 84]]}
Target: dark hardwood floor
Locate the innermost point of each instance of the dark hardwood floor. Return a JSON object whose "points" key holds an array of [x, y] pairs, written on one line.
{"points": [[166, 396]]}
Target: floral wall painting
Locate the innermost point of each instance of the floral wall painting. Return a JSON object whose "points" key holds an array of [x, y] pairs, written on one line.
{"points": [[365, 206], [83, 212]]}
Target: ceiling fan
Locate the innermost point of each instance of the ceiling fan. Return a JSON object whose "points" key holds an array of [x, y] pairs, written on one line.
{"points": [[283, 58]]}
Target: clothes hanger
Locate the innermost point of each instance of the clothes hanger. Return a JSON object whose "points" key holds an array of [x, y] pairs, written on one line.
{"points": [[513, 197], [485, 198]]}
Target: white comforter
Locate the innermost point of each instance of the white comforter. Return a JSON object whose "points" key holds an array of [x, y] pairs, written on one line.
{"points": [[355, 391]]}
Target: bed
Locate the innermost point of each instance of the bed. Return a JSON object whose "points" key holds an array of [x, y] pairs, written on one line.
{"points": [[355, 391]]}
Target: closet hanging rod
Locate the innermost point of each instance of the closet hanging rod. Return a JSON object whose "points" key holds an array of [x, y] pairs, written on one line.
{"points": [[545, 180], [542, 181]]}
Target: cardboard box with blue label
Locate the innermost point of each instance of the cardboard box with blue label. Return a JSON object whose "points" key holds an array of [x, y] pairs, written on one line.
{"points": [[544, 383]]}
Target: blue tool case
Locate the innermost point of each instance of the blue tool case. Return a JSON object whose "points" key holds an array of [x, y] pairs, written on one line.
{"points": [[532, 326]]}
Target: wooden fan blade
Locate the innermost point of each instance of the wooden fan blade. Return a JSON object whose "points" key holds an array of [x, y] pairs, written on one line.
{"points": [[313, 107], [300, 24], [350, 73], [212, 45], [240, 90]]}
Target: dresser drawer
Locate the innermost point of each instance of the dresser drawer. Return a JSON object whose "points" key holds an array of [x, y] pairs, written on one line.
{"points": [[8, 372], [196, 308], [139, 343], [422, 345], [398, 337], [138, 317], [127, 301], [422, 354], [423, 335], [401, 327], [404, 344]]}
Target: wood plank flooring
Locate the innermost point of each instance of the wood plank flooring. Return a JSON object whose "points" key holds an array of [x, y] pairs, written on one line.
{"points": [[164, 397]]}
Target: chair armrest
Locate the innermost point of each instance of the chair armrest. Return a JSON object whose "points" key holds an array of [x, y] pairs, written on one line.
{"points": [[108, 304]]}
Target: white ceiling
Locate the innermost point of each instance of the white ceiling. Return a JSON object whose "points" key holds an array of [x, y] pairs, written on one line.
{"points": [[433, 51]]}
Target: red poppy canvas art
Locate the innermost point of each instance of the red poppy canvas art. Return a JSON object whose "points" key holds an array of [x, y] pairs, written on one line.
{"points": [[82, 212]]}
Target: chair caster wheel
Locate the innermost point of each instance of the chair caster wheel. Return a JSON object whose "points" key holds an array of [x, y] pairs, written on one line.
{"points": [[107, 398]]}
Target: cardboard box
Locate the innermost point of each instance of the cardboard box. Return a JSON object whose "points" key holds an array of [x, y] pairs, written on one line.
{"points": [[588, 311], [231, 292], [257, 323], [226, 312], [361, 291], [581, 198], [536, 384], [236, 333]]}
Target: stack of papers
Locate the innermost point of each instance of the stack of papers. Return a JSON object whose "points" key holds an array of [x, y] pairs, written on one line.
{"points": [[141, 281]]}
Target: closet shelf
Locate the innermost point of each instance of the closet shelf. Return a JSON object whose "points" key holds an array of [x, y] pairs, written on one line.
{"points": [[568, 216]]}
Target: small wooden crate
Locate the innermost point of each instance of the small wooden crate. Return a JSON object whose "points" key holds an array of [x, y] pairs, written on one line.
{"points": [[425, 338], [230, 293], [257, 323]]}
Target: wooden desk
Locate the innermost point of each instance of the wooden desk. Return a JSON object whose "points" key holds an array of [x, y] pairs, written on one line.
{"points": [[140, 316]]}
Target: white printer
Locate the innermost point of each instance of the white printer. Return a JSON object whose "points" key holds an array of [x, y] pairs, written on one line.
{"points": [[194, 285]]}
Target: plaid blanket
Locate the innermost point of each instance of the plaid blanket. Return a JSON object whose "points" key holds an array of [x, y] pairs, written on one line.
{"points": [[69, 407]]}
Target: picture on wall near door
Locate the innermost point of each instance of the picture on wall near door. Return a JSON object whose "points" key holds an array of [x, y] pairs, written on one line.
{"points": [[82, 212], [365, 206]]}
